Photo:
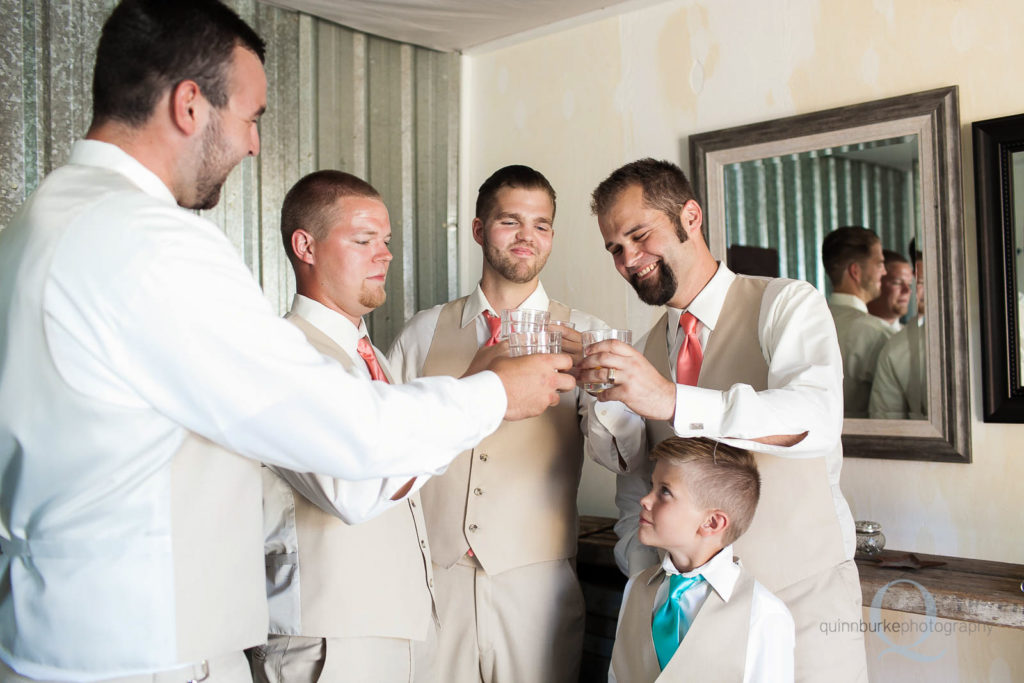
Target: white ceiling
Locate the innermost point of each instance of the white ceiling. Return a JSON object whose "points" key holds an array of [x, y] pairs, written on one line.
{"points": [[448, 25]]}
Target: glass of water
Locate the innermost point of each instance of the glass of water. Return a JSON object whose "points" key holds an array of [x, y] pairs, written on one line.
{"points": [[594, 336], [529, 343], [523, 320]]}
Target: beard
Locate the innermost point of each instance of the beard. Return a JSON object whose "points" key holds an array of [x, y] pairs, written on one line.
{"points": [[214, 166], [657, 290], [511, 268], [372, 298]]}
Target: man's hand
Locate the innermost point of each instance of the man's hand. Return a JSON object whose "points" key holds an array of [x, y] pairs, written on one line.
{"points": [[532, 383], [572, 344], [637, 383], [485, 355]]}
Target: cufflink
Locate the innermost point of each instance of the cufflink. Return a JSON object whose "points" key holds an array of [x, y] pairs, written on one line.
{"points": [[696, 426]]}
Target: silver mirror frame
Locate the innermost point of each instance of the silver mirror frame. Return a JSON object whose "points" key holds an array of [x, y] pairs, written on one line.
{"points": [[934, 117]]}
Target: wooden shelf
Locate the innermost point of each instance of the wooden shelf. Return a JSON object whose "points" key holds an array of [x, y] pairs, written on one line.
{"points": [[962, 589]]}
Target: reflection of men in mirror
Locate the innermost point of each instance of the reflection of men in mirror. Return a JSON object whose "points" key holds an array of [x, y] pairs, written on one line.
{"points": [[751, 361], [855, 265], [899, 389], [502, 519], [328, 568], [892, 302]]}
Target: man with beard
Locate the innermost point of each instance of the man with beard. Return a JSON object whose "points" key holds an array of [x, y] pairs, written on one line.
{"points": [[855, 266], [893, 300], [502, 520], [143, 375], [750, 361]]}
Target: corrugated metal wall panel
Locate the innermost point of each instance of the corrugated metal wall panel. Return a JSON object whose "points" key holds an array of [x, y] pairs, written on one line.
{"points": [[336, 99]]}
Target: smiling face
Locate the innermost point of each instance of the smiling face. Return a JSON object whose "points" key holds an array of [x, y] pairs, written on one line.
{"points": [[670, 517], [896, 285], [646, 246], [350, 264], [232, 133], [516, 236]]}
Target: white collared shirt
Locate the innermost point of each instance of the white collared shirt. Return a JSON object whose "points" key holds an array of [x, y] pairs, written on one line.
{"points": [[772, 635], [127, 322], [616, 428], [804, 393]]}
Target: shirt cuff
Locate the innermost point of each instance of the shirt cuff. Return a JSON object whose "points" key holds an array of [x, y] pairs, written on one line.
{"points": [[487, 401], [698, 411]]}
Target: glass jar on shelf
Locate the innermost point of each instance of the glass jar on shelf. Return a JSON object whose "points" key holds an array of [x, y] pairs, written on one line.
{"points": [[870, 539]]}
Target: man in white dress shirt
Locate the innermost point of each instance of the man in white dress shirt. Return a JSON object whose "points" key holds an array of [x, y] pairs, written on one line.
{"points": [[348, 566], [753, 362], [139, 363], [893, 299], [855, 265], [502, 521], [900, 388]]}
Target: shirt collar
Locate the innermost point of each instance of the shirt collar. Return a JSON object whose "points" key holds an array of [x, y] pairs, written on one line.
{"points": [[477, 303], [113, 158], [840, 299], [707, 305], [336, 326], [720, 571]]}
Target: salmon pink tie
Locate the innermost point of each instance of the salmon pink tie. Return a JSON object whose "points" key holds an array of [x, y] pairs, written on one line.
{"points": [[365, 352], [494, 325], [690, 353]]}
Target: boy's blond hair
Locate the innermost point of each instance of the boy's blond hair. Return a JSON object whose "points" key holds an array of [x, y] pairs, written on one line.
{"points": [[719, 476]]}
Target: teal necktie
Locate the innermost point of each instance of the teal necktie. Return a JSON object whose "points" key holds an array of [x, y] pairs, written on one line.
{"points": [[670, 624]]}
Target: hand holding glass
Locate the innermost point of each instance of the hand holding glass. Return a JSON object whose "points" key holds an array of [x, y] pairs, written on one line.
{"points": [[594, 336]]}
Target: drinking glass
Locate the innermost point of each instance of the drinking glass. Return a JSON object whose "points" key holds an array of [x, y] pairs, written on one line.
{"points": [[594, 336], [528, 343], [522, 320]]}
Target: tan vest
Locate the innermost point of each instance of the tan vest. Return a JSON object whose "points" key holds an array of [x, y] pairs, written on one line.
{"points": [[513, 497], [795, 532], [371, 579], [714, 649]]}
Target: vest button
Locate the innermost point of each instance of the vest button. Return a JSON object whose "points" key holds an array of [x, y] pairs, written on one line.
{"points": [[412, 502], [478, 491], [483, 457], [473, 527], [423, 544]]}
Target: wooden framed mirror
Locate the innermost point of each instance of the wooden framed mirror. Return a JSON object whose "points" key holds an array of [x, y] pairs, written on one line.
{"points": [[892, 166]]}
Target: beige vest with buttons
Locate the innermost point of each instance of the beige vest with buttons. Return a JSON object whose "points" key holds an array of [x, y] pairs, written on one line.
{"points": [[795, 533], [371, 579], [513, 497], [714, 648]]}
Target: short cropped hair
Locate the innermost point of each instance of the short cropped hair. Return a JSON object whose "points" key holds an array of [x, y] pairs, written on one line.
{"points": [[517, 176], [893, 257], [665, 187], [843, 246], [149, 46], [309, 204], [719, 476]]}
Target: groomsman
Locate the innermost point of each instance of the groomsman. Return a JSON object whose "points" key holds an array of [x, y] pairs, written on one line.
{"points": [[502, 521], [753, 362], [350, 599]]}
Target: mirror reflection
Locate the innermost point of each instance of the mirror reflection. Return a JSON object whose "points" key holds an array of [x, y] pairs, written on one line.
{"points": [[847, 219]]}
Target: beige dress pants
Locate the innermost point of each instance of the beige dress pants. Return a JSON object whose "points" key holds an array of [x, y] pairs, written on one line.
{"points": [[298, 659], [822, 655], [524, 625], [230, 668]]}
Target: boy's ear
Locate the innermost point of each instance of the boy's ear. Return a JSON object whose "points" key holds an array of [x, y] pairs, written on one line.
{"points": [[716, 523]]}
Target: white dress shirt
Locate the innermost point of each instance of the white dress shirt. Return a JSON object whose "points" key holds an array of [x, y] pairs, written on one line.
{"points": [[127, 322], [772, 633], [861, 338], [804, 394], [891, 390], [614, 430]]}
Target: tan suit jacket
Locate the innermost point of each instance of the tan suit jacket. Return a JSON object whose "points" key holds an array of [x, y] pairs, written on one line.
{"points": [[371, 579], [513, 497]]}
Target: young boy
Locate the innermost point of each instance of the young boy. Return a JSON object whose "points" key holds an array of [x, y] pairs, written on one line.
{"points": [[702, 499]]}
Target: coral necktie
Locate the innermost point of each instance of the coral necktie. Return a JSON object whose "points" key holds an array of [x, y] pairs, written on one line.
{"points": [[494, 325], [670, 624], [690, 353], [365, 352]]}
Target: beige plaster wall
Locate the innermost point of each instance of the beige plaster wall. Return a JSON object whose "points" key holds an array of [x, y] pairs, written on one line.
{"points": [[578, 103]]}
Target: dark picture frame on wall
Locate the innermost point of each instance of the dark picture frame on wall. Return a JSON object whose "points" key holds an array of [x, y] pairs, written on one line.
{"points": [[996, 143]]}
